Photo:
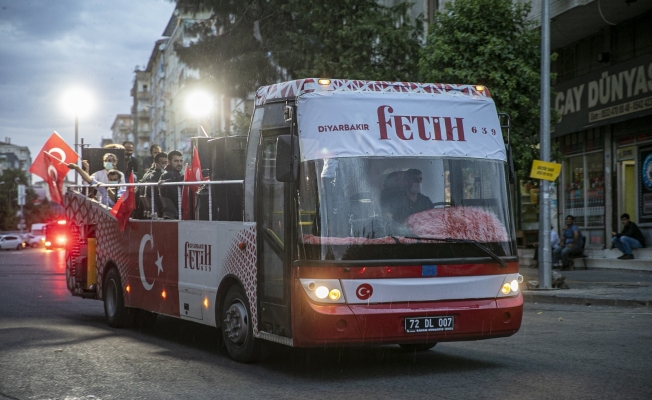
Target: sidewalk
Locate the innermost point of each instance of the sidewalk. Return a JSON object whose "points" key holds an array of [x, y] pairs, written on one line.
{"points": [[605, 286]]}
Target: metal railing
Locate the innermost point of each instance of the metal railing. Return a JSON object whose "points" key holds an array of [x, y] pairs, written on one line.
{"points": [[179, 185]]}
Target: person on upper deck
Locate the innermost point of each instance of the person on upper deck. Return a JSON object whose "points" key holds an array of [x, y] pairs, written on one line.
{"points": [[169, 194], [106, 195]]}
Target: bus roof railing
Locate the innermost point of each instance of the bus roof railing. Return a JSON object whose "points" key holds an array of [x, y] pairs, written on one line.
{"points": [[177, 184]]}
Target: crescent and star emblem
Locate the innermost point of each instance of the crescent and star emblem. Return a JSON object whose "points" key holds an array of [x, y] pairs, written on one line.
{"points": [[54, 174], [159, 262], [364, 291], [61, 153]]}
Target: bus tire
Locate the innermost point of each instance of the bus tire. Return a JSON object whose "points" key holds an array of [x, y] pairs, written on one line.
{"points": [[237, 327], [115, 312], [417, 347]]}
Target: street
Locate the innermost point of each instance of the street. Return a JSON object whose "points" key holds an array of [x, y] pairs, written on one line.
{"points": [[55, 346]]}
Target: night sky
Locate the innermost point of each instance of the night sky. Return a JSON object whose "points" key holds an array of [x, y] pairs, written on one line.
{"points": [[49, 46]]}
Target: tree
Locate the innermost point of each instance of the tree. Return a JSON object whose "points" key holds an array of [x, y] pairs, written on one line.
{"points": [[34, 211], [246, 44], [490, 42], [352, 39]]}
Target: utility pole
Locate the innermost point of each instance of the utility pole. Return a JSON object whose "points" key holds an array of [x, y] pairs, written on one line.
{"points": [[21, 203], [545, 271]]}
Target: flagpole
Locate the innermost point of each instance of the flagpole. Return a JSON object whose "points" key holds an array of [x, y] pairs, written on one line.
{"points": [[76, 144]]}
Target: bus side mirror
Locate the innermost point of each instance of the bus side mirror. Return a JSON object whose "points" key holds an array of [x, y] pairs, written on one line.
{"points": [[287, 158]]}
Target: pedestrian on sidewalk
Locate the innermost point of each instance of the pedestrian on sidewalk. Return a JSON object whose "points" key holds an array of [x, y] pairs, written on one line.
{"points": [[571, 243], [554, 244], [630, 238]]}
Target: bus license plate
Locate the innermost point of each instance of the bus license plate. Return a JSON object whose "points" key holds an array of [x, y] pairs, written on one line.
{"points": [[429, 324]]}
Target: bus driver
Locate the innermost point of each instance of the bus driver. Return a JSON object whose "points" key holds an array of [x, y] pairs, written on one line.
{"points": [[407, 200]]}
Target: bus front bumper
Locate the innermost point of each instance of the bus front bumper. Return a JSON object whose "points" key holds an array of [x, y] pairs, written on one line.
{"points": [[332, 325]]}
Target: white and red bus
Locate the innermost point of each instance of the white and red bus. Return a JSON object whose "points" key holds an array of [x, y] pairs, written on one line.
{"points": [[354, 213]]}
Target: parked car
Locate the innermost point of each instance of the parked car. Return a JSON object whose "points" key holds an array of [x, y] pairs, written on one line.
{"points": [[10, 242], [36, 240]]}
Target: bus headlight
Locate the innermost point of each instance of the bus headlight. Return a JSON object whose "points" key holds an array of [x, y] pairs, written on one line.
{"points": [[506, 288], [323, 290], [510, 285]]}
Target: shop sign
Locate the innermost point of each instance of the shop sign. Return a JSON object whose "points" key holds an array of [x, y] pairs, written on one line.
{"points": [[626, 153], [618, 93], [545, 170]]}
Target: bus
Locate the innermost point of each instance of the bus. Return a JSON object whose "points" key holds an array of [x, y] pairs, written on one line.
{"points": [[353, 213], [57, 234]]}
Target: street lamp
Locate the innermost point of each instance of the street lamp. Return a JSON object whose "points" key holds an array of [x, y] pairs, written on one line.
{"points": [[77, 101], [199, 104]]}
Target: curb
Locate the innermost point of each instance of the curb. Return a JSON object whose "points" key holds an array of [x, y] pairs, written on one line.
{"points": [[531, 297]]}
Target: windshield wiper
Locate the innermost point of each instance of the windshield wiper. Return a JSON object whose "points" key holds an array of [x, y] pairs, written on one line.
{"points": [[477, 244]]}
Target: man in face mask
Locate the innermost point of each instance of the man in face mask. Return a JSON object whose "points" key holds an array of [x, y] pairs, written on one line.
{"points": [[105, 195], [410, 201], [109, 162]]}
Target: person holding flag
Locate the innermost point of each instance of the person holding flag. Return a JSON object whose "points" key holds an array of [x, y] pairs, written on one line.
{"points": [[108, 195], [52, 165], [125, 205]]}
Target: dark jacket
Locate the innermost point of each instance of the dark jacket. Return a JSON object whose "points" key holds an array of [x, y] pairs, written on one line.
{"points": [[131, 164], [633, 231], [147, 163], [169, 194], [152, 176]]}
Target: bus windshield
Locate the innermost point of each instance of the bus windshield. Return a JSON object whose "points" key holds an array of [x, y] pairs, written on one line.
{"points": [[403, 208]]}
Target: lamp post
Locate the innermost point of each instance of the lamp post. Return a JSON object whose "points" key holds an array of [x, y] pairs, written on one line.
{"points": [[199, 104], [77, 102]]}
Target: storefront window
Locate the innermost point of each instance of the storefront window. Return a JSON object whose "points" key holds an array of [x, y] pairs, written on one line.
{"points": [[595, 190], [583, 183], [574, 188], [529, 204]]}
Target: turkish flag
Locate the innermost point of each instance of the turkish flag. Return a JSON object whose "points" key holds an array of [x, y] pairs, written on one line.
{"points": [[59, 149], [55, 175], [195, 170], [185, 194], [125, 205]]}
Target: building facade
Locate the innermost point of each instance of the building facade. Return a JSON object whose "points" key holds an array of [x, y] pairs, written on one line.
{"points": [[122, 129], [603, 96], [141, 124], [15, 157], [160, 91]]}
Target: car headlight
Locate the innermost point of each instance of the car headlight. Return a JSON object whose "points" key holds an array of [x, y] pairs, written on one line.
{"points": [[323, 290], [510, 285]]}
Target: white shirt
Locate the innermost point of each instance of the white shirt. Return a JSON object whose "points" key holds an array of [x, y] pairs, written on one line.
{"points": [[554, 239], [102, 176]]}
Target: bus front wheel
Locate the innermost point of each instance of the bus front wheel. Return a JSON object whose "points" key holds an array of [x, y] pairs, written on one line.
{"points": [[237, 327]]}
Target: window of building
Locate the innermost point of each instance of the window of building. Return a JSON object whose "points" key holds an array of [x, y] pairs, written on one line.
{"points": [[583, 183]]}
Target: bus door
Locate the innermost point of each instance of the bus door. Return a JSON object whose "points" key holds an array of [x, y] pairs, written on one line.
{"points": [[274, 204]]}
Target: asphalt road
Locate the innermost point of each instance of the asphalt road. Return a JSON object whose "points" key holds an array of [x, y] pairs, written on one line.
{"points": [[55, 346]]}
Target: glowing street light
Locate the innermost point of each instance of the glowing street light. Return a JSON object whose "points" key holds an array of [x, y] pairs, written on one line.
{"points": [[77, 101], [199, 104]]}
